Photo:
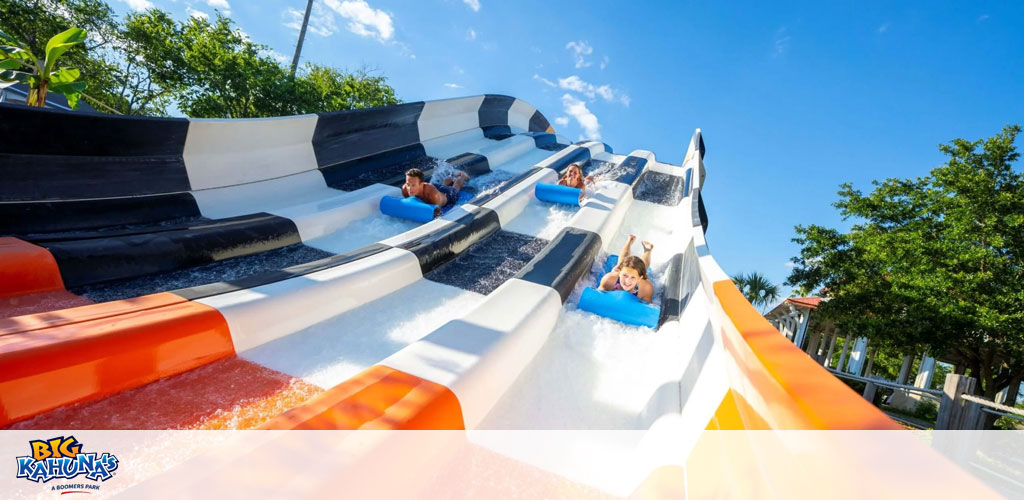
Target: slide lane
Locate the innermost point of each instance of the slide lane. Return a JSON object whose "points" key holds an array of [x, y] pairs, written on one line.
{"points": [[594, 372], [336, 289], [333, 350], [475, 355]]}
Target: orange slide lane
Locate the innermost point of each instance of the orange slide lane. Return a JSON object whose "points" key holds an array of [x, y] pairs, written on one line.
{"points": [[91, 312], [230, 393], [30, 280], [26, 268], [75, 361], [779, 386], [378, 398]]}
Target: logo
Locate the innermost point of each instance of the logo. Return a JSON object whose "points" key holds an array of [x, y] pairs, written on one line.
{"points": [[63, 458]]}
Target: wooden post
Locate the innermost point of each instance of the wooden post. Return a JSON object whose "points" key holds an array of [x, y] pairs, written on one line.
{"points": [[952, 410], [973, 417]]}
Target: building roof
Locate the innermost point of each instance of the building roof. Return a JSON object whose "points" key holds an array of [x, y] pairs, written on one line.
{"points": [[811, 302], [19, 92]]}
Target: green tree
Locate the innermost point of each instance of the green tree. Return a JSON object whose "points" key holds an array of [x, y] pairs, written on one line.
{"points": [[933, 263], [215, 71], [758, 289], [320, 89], [116, 81], [18, 64]]}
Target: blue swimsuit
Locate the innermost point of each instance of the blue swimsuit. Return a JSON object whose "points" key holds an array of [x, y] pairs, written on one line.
{"points": [[450, 193]]}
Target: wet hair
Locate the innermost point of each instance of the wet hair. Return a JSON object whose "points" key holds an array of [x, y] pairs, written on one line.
{"points": [[569, 169], [637, 264], [415, 172]]}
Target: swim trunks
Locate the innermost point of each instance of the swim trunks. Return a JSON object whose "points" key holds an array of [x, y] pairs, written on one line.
{"points": [[450, 193]]}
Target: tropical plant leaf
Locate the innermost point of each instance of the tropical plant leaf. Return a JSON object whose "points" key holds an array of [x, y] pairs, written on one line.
{"points": [[15, 76], [67, 88], [59, 44], [10, 64], [10, 40], [73, 99], [65, 75]]}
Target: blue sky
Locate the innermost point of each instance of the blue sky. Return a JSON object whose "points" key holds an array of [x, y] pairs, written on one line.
{"points": [[793, 100]]}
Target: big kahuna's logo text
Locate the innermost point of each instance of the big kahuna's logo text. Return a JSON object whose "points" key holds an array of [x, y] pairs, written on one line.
{"points": [[62, 458]]}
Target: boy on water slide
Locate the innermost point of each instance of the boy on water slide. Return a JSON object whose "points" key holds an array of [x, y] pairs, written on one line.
{"points": [[630, 274], [443, 195]]}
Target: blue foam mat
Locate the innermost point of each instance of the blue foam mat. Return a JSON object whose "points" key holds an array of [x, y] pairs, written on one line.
{"points": [[411, 208], [554, 193], [620, 305]]}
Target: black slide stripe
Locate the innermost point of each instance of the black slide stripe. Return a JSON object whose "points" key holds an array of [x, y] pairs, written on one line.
{"points": [[538, 123], [564, 261], [199, 292], [471, 163], [349, 135], [494, 110], [376, 168], [85, 262], [37, 218], [443, 245], [107, 157], [671, 300]]}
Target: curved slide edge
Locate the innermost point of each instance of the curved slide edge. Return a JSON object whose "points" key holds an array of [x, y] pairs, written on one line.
{"points": [[772, 383]]}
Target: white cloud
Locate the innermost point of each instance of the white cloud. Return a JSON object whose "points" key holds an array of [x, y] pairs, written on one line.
{"points": [[604, 62], [363, 19], [982, 17], [592, 91], [547, 82], [790, 264], [883, 28], [562, 121], [321, 20], [218, 4], [453, 85], [196, 13], [279, 57], [242, 34], [781, 42], [579, 50], [587, 120], [473, 4], [139, 4], [470, 34]]}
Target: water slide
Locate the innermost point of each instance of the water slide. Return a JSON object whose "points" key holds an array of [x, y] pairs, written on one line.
{"points": [[239, 274]]}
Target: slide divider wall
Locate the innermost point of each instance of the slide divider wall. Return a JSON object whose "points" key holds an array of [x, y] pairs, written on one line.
{"points": [[167, 178]]}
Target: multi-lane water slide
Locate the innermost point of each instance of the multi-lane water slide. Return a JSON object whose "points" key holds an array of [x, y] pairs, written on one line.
{"points": [[237, 274]]}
